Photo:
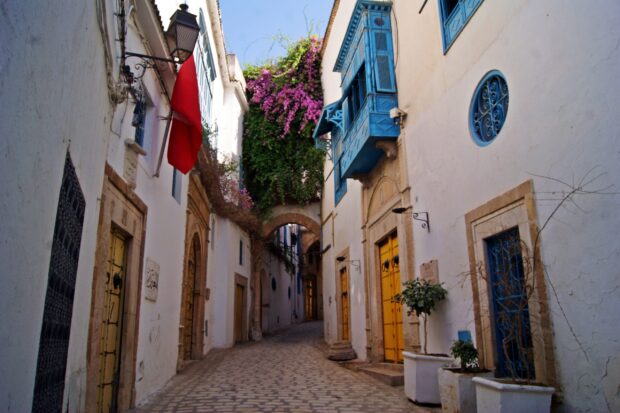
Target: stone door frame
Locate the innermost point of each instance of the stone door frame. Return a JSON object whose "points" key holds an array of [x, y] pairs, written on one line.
{"points": [[122, 210]]}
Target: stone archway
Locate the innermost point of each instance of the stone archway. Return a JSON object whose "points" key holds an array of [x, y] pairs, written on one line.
{"points": [[307, 216]]}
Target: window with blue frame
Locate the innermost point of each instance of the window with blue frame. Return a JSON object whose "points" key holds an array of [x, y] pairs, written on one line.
{"points": [[489, 107], [177, 181], [454, 16], [361, 117]]}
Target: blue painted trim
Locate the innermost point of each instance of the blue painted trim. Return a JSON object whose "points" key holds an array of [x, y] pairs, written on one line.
{"points": [[356, 16], [472, 105], [449, 38]]}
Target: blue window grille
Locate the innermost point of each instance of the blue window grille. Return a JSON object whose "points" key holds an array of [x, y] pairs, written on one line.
{"points": [[489, 107], [514, 351], [454, 16]]}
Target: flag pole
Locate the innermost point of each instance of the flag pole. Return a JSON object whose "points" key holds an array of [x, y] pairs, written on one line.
{"points": [[163, 145]]}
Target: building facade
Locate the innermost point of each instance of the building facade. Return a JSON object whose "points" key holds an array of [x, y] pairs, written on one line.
{"points": [[507, 147], [117, 245]]}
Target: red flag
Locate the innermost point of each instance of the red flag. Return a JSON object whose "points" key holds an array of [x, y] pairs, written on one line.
{"points": [[186, 129]]}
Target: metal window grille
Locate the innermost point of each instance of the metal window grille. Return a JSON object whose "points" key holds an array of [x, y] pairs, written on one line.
{"points": [[58, 308]]}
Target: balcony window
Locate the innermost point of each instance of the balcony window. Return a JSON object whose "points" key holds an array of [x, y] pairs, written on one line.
{"points": [[454, 16], [361, 117]]}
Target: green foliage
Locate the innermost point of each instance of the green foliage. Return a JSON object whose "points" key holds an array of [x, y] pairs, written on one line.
{"points": [[421, 297], [280, 162], [466, 352]]}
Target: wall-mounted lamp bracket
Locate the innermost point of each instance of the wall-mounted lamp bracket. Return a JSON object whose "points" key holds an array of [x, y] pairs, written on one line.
{"points": [[421, 216], [425, 221], [354, 263]]}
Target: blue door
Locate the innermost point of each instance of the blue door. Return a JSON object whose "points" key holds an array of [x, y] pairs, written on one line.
{"points": [[511, 318]]}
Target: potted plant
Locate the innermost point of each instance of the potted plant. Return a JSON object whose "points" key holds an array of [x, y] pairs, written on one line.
{"points": [[514, 388], [456, 388], [421, 297]]}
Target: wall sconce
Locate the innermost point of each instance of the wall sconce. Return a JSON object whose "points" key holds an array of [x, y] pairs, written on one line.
{"points": [[422, 216], [181, 38], [354, 263]]}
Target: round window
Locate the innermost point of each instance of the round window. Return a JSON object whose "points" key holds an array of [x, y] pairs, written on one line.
{"points": [[489, 107]]}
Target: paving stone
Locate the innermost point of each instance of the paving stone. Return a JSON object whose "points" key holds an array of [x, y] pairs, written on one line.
{"points": [[287, 373]]}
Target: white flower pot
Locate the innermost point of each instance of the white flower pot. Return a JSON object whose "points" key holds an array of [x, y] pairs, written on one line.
{"points": [[493, 396], [421, 377], [457, 391]]}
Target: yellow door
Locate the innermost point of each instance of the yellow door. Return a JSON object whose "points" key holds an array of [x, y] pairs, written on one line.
{"points": [[112, 326], [189, 289], [239, 295], [310, 300], [344, 294], [393, 340]]}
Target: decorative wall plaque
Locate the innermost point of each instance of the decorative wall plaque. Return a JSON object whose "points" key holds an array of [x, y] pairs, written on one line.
{"points": [[151, 280]]}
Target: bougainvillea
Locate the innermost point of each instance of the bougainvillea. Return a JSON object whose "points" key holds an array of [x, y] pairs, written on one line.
{"points": [[281, 164]]}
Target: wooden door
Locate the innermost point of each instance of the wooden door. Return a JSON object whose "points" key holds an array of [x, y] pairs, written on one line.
{"points": [[239, 298], [344, 303], [393, 340], [112, 326], [310, 304], [188, 301]]}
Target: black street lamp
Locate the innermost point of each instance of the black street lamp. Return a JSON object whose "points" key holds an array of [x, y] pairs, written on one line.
{"points": [[181, 38], [182, 34]]}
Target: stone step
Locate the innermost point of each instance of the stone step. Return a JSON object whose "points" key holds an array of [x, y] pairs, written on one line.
{"points": [[341, 351], [390, 374]]}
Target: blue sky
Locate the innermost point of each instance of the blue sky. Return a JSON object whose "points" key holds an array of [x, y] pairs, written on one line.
{"points": [[250, 26]]}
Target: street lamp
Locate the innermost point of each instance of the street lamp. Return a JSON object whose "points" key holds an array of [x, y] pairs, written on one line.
{"points": [[181, 38], [182, 34]]}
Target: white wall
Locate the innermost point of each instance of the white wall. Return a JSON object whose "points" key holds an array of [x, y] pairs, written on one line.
{"points": [[48, 103], [559, 59], [347, 214]]}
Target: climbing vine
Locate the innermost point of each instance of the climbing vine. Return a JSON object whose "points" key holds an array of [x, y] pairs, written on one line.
{"points": [[281, 164]]}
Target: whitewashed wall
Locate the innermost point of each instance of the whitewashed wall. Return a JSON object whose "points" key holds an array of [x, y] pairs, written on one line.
{"points": [[347, 221], [49, 102], [560, 61]]}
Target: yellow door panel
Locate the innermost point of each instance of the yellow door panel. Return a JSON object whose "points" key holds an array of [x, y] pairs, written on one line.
{"points": [[111, 328], [393, 341], [344, 293]]}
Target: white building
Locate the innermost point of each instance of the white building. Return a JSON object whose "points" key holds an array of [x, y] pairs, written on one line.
{"points": [[96, 283], [554, 130]]}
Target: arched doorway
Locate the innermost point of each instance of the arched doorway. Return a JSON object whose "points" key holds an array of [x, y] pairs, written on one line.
{"points": [[191, 320]]}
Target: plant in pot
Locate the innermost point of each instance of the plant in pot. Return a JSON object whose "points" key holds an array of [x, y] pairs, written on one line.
{"points": [[421, 297], [456, 388], [514, 387]]}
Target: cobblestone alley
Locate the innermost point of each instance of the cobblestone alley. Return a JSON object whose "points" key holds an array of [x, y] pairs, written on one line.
{"points": [[287, 372]]}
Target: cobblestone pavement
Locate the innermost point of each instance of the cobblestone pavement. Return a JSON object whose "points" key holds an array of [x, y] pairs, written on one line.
{"points": [[287, 372]]}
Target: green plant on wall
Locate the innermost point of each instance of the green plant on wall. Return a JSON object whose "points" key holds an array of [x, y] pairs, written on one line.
{"points": [[465, 351], [280, 162]]}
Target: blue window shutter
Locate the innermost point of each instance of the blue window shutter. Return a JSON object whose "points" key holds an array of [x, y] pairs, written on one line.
{"points": [[345, 114], [384, 67]]}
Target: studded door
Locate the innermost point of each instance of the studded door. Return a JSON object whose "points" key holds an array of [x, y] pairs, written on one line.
{"points": [[112, 326], [189, 292], [393, 340], [57, 311]]}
